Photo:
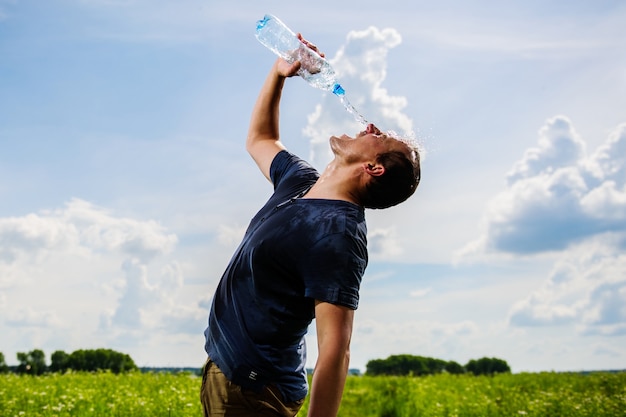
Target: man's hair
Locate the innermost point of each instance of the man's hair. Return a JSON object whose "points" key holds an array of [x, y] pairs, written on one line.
{"points": [[398, 182]]}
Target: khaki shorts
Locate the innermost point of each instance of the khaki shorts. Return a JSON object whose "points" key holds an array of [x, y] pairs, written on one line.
{"points": [[222, 398]]}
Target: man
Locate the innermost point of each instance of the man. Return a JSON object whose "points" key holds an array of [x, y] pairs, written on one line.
{"points": [[302, 257]]}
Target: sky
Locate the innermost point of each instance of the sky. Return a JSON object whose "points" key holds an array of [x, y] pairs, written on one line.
{"points": [[125, 186]]}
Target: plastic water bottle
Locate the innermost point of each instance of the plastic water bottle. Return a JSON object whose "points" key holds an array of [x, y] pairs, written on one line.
{"points": [[317, 71]]}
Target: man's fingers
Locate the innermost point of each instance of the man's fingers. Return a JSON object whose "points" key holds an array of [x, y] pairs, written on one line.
{"points": [[310, 45]]}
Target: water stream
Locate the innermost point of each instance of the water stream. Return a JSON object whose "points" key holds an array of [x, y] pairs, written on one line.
{"points": [[341, 93]]}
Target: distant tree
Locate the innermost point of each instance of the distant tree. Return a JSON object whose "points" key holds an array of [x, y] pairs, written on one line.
{"points": [[3, 365], [453, 367], [77, 361], [435, 366], [420, 365], [405, 365], [487, 366], [33, 362], [375, 367], [100, 359], [123, 363], [59, 361]]}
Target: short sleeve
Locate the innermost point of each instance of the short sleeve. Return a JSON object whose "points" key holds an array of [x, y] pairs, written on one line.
{"points": [[288, 170], [334, 269]]}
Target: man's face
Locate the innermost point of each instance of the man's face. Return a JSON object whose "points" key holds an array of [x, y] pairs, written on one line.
{"points": [[366, 145]]}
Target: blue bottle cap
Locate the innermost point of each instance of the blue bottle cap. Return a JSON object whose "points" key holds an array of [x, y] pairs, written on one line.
{"points": [[338, 90]]}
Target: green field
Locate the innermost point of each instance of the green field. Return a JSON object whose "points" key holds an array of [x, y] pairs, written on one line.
{"points": [[169, 395]]}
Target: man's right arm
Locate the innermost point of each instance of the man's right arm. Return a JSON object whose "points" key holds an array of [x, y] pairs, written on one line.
{"points": [[263, 141]]}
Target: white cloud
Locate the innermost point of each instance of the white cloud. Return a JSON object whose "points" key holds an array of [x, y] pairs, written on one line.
{"points": [[80, 228], [100, 230], [28, 317], [230, 235], [144, 302], [557, 195], [80, 269], [586, 289], [606, 202], [559, 147], [383, 243], [607, 306], [564, 202], [361, 65], [424, 337], [139, 295]]}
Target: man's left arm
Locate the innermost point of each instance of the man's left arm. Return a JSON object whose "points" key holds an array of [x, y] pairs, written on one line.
{"points": [[334, 331]]}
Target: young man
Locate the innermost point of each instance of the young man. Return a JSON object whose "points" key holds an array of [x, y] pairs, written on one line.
{"points": [[302, 257]]}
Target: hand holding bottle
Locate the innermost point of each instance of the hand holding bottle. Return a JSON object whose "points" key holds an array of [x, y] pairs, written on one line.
{"points": [[300, 58], [308, 61], [286, 68], [314, 68], [303, 58]]}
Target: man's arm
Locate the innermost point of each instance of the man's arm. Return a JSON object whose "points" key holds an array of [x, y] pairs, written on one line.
{"points": [[263, 142], [334, 330]]}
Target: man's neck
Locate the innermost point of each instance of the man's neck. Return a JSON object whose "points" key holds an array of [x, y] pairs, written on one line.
{"points": [[336, 183]]}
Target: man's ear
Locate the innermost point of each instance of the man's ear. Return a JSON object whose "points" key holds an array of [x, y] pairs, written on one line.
{"points": [[375, 170]]}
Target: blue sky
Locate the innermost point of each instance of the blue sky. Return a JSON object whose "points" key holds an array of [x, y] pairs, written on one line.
{"points": [[125, 186]]}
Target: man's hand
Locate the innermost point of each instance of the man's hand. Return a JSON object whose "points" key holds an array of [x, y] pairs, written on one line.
{"points": [[310, 45], [285, 69], [308, 61], [301, 59]]}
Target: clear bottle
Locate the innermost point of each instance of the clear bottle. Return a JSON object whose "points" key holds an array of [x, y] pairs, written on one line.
{"points": [[317, 71]]}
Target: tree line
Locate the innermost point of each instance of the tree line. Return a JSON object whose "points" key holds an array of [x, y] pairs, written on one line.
{"points": [[34, 363], [89, 360], [403, 365]]}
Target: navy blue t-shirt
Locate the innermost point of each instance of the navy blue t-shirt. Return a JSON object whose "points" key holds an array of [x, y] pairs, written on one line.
{"points": [[295, 251]]}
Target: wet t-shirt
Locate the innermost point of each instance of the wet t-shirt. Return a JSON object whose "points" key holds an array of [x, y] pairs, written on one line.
{"points": [[295, 251]]}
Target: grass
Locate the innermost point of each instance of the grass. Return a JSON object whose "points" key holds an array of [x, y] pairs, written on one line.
{"points": [[100, 394], [177, 395], [542, 394]]}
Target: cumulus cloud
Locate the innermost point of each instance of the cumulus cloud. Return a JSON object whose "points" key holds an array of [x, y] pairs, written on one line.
{"points": [[424, 337], [145, 297], [586, 289], [361, 65], [101, 230], [230, 235], [559, 147], [383, 242], [116, 272], [29, 317], [563, 201], [80, 228], [557, 195]]}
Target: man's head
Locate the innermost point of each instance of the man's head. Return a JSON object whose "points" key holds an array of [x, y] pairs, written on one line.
{"points": [[390, 166]]}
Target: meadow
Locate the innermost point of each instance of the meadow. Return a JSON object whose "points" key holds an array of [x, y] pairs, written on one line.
{"points": [[176, 395]]}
